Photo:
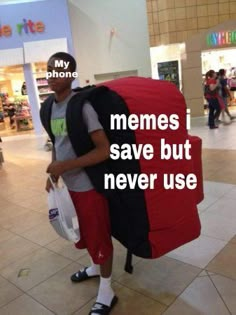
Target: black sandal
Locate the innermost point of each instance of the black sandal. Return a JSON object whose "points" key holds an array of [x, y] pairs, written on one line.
{"points": [[81, 275], [102, 309]]}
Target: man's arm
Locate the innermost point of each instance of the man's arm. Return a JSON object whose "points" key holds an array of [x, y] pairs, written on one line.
{"points": [[54, 178], [53, 154], [227, 91], [213, 86], [100, 153]]}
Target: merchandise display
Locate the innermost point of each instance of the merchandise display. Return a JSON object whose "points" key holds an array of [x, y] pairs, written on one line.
{"points": [[43, 88], [23, 116], [15, 108], [15, 113]]}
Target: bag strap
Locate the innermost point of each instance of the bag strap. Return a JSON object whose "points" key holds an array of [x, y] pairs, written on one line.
{"points": [[52, 182], [128, 263]]}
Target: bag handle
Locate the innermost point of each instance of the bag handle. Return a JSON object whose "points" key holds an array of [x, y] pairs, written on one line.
{"points": [[54, 185]]}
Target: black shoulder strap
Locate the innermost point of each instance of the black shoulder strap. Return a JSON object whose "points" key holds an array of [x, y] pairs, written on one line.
{"points": [[81, 140], [80, 89], [45, 115]]}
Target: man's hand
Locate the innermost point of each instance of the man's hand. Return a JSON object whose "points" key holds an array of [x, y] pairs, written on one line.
{"points": [[49, 183], [100, 153], [57, 168]]}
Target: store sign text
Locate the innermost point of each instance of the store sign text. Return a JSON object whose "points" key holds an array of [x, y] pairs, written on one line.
{"points": [[221, 38], [26, 27]]}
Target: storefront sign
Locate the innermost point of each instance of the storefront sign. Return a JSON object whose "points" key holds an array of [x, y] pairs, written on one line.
{"points": [[5, 30], [26, 27], [21, 23], [221, 38], [30, 27]]}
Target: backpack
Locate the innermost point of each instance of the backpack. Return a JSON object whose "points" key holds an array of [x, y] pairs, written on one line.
{"points": [[148, 222]]}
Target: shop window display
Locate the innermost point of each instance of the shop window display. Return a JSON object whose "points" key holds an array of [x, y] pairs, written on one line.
{"points": [[15, 110], [39, 70], [15, 113], [43, 88], [23, 118]]}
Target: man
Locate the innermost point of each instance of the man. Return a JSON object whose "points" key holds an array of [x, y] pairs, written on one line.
{"points": [[91, 206], [211, 94], [225, 92]]}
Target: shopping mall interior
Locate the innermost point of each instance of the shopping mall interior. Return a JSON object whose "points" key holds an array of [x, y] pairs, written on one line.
{"points": [[198, 278]]}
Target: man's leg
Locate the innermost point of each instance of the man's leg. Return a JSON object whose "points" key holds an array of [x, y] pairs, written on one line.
{"points": [[106, 298], [211, 121], [93, 213], [85, 273], [105, 292], [93, 269], [217, 109], [106, 268]]}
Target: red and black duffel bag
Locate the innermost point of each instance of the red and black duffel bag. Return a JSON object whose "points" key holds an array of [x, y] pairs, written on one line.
{"points": [[150, 222]]}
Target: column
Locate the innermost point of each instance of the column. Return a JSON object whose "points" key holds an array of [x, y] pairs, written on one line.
{"points": [[34, 101]]}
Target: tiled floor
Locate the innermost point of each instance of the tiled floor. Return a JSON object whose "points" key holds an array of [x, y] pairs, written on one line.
{"points": [[35, 264]]}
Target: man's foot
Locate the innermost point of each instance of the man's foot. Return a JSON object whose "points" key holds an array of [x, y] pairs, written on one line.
{"points": [[102, 309], [214, 127], [83, 275]]}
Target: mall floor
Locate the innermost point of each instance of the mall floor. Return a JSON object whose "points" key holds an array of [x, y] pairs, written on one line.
{"points": [[35, 264]]}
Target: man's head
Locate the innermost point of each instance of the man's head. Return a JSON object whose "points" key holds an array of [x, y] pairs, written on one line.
{"points": [[211, 74], [222, 72], [60, 66]]}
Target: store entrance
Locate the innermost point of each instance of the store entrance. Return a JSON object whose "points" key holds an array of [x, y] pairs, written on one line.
{"points": [[221, 59], [15, 114], [15, 109]]}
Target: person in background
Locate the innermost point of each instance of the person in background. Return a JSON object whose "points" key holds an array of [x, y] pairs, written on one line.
{"points": [[11, 114], [212, 94], [23, 89], [224, 92], [91, 206], [1, 154]]}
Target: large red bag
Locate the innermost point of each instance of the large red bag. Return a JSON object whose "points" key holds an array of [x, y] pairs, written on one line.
{"points": [[148, 222]]}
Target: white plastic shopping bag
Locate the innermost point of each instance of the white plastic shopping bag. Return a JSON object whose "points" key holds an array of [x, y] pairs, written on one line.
{"points": [[62, 214]]}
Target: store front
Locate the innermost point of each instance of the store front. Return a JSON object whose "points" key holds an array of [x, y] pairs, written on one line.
{"points": [[213, 49], [27, 39], [222, 59], [15, 112], [15, 109]]}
